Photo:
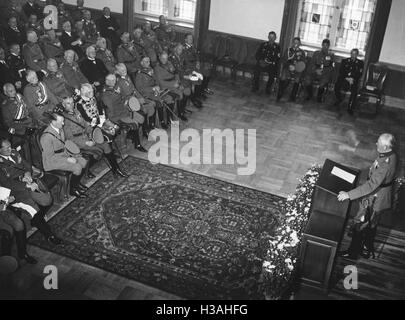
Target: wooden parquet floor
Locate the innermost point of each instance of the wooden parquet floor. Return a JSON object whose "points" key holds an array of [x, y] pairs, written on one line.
{"points": [[290, 138]]}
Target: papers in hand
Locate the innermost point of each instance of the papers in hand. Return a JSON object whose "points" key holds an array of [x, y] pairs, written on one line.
{"points": [[4, 194], [343, 175]]}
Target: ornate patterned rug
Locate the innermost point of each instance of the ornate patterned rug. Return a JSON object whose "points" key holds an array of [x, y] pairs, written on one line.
{"points": [[191, 235]]}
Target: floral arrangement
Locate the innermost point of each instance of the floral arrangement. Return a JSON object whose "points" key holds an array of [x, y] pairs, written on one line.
{"points": [[282, 255]]}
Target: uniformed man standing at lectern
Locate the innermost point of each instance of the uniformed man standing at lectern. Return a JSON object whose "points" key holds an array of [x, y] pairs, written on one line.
{"points": [[376, 195], [268, 59], [350, 73]]}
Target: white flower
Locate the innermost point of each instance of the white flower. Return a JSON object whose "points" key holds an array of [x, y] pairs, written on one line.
{"points": [[280, 246]]}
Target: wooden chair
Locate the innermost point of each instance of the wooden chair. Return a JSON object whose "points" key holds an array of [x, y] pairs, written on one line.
{"points": [[247, 59], [374, 85], [63, 177], [228, 52]]}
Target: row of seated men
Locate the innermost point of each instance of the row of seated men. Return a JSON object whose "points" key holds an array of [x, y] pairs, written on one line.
{"points": [[321, 70], [26, 205], [77, 29]]}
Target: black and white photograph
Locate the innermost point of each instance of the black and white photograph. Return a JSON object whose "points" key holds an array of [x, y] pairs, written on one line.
{"points": [[204, 157]]}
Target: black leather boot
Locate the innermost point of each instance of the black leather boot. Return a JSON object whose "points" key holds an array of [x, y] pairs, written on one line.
{"points": [[38, 221], [310, 92], [321, 91], [75, 190], [294, 92], [21, 241], [137, 142], [115, 166], [182, 108], [5, 243], [281, 89]]}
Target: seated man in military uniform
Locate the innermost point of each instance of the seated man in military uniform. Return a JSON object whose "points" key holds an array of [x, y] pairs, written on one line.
{"points": [[52, 47], [39, 99], [56, 82], [295, 57], [30, 193], [152, 46], [165, 34], [350, 73], [147, 84], [89, 27], [55, 157], [11, 226], [268, 60], [16, 119], [34, 25], [192, 61], [192, 89], [105, 55], [71, 70], [127, 53], [80, 132], [321, 69], [168, 78], [128, 90], [33, 55], [118, 111]]}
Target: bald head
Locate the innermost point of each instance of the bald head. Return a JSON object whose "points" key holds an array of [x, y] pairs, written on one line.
{"points": [[385, 143], [9, 90], [32, 36], [121, 69], [52, 65], [110, 80]]}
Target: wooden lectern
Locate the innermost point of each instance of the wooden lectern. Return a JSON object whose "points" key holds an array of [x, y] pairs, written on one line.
{"points": [[326, 225]]}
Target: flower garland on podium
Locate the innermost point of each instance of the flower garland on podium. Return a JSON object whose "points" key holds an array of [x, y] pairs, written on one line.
{"points": [[282, 255], [281, 259]]}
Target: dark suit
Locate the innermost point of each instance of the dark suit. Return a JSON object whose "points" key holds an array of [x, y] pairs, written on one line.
{"points": [[94, 71], [34, 9], [7, 75], [12, 36], [18, 68]]}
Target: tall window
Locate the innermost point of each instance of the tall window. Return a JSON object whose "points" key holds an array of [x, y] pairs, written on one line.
{"points": [[178, 10], [346, 23]]}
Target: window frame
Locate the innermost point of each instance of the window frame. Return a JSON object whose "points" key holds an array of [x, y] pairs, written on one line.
{"points": [[170, 17], [309, 46]]}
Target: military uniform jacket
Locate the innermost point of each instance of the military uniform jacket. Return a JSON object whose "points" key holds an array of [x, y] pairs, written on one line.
{"points": [[140, 47], [67, 40], [191, 57], [90, 30], [53, 149], [178, 63], [53, 49], [108, 58], [379, 183], [39, 99], [145, 81], [351, 69], [164, 37], [58, 85], [166, 75], [34, 57], [73, 75], [128, 55], [322, 60], [294, 56], [89, 109], [127, 87], [114, 102], [271, 53], [78, 130], [15, 114], [11, 173]]}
